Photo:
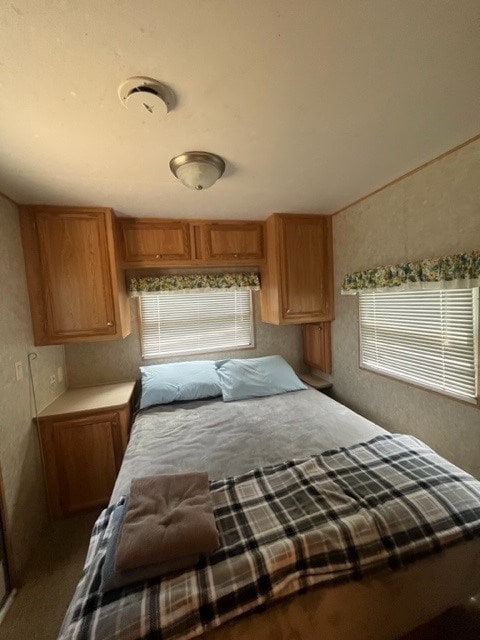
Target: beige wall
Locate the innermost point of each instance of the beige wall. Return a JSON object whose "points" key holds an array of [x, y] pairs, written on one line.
{"points": [[97, 362], [19, 451], [434, 212]]}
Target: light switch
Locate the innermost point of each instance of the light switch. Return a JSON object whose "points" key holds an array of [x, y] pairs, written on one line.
{"points": [[18, 371]]}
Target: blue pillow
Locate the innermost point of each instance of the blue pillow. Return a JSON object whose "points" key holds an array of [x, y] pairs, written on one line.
{"points": [[178, 381], [255, 377]]}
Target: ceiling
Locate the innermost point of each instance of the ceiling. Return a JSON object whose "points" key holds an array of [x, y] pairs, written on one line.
{"points": [[312, 103]]}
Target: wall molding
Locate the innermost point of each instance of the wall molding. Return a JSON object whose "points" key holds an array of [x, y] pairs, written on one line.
{"points": [[409, 173]]}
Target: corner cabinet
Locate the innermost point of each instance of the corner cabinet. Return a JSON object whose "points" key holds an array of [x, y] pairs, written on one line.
{"points": [[76, 290], [83, 435], [297, 280], [154, 242]]}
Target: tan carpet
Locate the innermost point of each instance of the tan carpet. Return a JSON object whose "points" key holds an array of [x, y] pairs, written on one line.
{"points": [[39, 607]]}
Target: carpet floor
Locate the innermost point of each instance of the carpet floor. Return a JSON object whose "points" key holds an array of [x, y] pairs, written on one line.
{"points": [[39, 606]]}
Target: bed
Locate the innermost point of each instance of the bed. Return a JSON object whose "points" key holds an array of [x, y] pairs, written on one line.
{"points": [[226, 439]]}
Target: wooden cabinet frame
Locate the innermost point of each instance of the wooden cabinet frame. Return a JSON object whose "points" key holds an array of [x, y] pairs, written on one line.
{"points": [[44, 304], [290, 268], [242, 243], [58, 475]]}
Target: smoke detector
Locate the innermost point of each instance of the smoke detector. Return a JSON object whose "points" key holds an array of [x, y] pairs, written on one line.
{"points": [[146, 96]]}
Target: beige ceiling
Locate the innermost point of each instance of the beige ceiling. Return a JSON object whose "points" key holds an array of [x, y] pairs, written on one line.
{"points": [[312, 103]]}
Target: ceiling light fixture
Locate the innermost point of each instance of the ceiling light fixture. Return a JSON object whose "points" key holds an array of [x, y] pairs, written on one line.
{"points": [[197, 169]]}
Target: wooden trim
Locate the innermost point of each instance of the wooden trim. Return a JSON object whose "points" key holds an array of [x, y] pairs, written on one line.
{"points": [[409, 173], [11, 200], [12, 574]]}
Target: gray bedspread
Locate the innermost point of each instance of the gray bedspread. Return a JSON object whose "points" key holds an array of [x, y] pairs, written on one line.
{"points": [[228, 438]]}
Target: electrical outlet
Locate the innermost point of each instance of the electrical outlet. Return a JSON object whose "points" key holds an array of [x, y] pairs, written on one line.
{"points": [[53, 380], [60, 374], [18, 371]]}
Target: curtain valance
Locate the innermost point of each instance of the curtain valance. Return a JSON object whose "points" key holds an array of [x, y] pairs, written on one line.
{"points": [[461, 271], [195, 282]]}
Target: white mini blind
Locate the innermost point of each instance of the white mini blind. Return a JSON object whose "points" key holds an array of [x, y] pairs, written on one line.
{"points": [[180, 323], [426, 337]]}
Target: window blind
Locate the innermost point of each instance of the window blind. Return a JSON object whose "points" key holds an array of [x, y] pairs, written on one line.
{"points": [[180, 323], [426, 337]]}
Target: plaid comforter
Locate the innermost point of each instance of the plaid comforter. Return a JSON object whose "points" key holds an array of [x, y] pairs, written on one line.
{"points": [[327, 518]]}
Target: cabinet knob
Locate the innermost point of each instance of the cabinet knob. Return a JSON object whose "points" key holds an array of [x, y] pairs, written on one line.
{"points": [[158, 256], [235, 255], [287, 311], [109, 324]]}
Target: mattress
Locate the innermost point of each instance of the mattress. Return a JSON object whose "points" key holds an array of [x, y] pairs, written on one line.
{"points": [[226, 439]]}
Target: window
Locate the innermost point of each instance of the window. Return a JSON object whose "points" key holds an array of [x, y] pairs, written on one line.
{"points": [[425, 337], [179, 323]]}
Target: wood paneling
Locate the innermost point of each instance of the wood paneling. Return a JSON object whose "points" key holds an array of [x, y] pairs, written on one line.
{"points": [[297, 281], [317, 346], [149, 242], [82, 455], [75, 288]]}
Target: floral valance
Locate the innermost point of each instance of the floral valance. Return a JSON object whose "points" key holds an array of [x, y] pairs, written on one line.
{"points": [[461, 270], [195, 282]]}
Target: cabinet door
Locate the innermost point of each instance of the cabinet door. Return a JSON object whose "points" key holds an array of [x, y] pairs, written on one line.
{"points": [[317, 346], [149, 242], [233, 242], [88, 453], [76, 274], [306, 268]]}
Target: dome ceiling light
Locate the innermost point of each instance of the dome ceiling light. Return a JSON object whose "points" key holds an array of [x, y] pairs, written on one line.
{"points": [[147, 95], [197, 169]]}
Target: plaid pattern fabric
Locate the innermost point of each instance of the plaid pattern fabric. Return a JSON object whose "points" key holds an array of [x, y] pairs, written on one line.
{"points": [[324, 519]]}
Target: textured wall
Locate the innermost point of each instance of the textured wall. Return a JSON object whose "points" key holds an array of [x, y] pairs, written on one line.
{"points": [[19, 451], [97, 362], [434, 212]]}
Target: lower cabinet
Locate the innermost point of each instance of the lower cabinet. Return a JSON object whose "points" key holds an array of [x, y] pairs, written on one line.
{"points": [[82, 455]]}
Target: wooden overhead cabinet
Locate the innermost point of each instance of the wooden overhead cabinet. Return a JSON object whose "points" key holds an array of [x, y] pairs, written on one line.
{"points": [[156, 242], [237, 241], [77, 292], [152, 242], [297, 280]]}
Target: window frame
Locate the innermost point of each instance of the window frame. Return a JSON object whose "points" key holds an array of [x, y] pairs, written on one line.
{"points": [[474, 402], [190, 354]]}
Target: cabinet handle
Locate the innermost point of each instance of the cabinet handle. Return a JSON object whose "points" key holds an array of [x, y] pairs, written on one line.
{"points": [[109, 324], [158, 256]]}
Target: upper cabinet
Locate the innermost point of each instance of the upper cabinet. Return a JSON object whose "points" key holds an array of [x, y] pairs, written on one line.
{"points": [[154, 242], [297, 280], [150, 242], [226, 241], [75, 288]]}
